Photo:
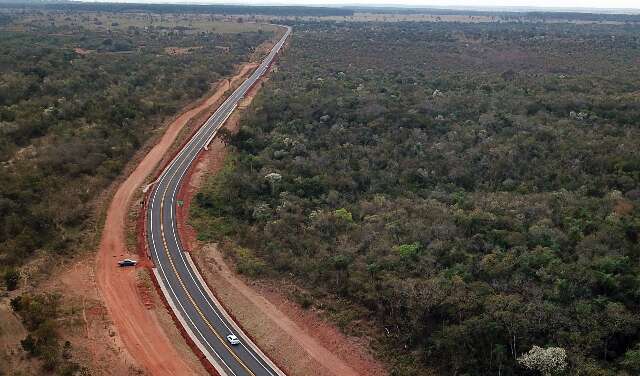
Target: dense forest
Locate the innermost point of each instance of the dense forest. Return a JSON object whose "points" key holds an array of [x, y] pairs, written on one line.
{"points": [[76, 104], [472, 190]]}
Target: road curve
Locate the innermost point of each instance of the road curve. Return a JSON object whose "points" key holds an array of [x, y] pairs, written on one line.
{"points": [[200, 314]]}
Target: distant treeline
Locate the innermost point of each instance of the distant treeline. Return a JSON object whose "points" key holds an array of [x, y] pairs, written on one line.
{"points": [[575, 16], [4, 19], [579, 16], [184, 8]]}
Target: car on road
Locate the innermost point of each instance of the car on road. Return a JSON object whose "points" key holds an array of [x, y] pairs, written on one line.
{"points": [[233, 339], [127, 262]]}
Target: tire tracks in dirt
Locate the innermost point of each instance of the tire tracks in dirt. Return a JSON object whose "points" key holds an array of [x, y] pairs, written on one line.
{"points": [[139, 329]]}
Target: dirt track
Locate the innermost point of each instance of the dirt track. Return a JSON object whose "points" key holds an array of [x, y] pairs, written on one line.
{"points": [[138, 327]]}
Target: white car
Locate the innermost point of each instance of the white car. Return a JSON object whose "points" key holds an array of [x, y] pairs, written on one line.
{"points": [[127, 262], [233, 339]]}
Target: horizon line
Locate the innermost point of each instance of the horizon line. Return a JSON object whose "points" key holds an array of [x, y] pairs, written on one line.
{"points": [[473, 8]]}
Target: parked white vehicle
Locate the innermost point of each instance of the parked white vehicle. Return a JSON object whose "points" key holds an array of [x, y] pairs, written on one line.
{"points": [[127, 262]]}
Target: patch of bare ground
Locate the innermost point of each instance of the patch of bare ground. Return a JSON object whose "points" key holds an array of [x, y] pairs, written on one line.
{"points": [[180, 50], [83, 320], [82, 51], [148, 335], [298, 340], [93, 336], [11, 333]]}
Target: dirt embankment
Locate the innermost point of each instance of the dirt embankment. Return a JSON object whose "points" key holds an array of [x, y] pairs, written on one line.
{"points": [[297, 340], [140, 329]]}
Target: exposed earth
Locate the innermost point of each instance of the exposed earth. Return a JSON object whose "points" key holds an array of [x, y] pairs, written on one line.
{"points": [[138, 327]]}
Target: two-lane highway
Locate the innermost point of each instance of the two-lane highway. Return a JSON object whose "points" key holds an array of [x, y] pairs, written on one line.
{"points": [[200, 314]]}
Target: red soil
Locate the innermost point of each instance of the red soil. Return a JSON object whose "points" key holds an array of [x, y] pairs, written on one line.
{"points": [[138, 327]]}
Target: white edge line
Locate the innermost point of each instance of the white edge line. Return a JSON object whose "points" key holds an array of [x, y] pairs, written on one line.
{"points": [[170, 298], [165, 292], [232, 322], [206, 297], [215, 132], [253, 354], [186, 327]]}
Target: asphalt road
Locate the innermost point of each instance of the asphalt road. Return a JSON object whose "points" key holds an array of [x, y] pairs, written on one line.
{"points": [[199, 312]]}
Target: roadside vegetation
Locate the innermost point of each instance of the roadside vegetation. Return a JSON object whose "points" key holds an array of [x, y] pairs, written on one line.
{"points": [[80, 94], [42, 315], [472, 190], [75, 104]]}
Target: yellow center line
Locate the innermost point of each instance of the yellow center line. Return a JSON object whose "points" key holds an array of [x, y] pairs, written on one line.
{"points": [[175, 270], [196, 306]]}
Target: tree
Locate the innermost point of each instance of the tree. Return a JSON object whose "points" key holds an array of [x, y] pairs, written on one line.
{"points": [[548, 361], [344, 215], [631, 360], [11, 279]]}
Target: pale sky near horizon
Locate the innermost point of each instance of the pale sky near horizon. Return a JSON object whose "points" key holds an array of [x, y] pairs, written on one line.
{"points": [[629, 4], [610, 4]]}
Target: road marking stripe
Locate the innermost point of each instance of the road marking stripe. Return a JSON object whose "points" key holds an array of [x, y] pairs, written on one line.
{"points": [[186, 327], [180, 303], [184, 287], [185, 153], [209, 296], [247, 340]]}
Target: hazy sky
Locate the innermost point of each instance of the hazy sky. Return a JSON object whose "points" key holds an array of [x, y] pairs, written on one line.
{"points": [[609, 4], [630, 4]]}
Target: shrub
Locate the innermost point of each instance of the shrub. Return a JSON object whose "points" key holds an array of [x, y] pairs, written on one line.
{"points": [[344, 215], [11, 279]]}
